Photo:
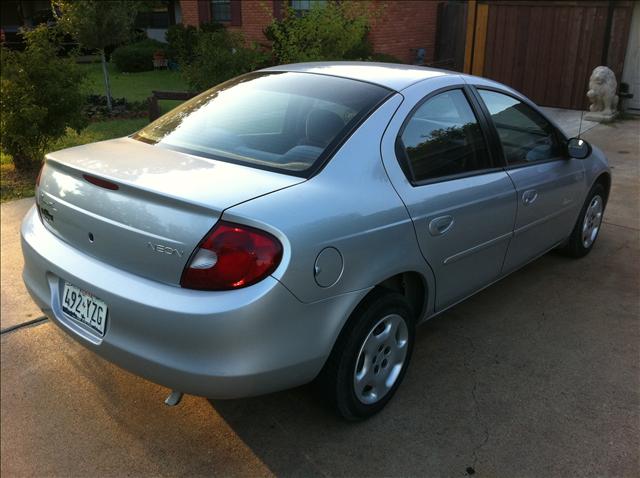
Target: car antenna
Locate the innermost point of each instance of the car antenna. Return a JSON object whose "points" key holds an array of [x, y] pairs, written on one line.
{"points": [[580, 127]]}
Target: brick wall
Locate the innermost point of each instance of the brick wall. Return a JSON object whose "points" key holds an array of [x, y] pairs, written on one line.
{"points": [[403, 25], [190, 14], [256, 15]]}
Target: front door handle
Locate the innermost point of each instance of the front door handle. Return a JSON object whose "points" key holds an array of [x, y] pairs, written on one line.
{"points": [[529, 197], [440, 225]]}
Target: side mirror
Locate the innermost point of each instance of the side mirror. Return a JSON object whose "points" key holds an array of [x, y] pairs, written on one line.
{"points": [[578, 148]]}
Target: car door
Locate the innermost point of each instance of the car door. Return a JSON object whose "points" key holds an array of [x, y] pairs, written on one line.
{"points": [[549, 184], [460, 199]]}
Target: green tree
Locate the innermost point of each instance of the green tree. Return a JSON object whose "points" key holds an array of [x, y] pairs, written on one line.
{"points": [[331, 31], [97, 24], [219, 55], [40, 96]]}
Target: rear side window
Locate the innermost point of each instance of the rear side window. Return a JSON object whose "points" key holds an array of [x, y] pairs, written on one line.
{"points": [[443, 138], [525, 135], [283, 121]]}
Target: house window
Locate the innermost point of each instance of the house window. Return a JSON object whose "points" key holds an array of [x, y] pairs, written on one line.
{"points": [[302, 6], [221, 10], [157, 16]]}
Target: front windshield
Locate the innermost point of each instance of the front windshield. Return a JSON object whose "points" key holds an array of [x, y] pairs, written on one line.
{"points": [[285, 121]]}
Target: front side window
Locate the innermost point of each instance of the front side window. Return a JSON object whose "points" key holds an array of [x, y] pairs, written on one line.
{"points": [[443, 138], [525, 135], [284, 121], [221, 10]]}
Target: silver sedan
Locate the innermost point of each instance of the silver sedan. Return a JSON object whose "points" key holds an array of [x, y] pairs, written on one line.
{"points": [[297, 223]]}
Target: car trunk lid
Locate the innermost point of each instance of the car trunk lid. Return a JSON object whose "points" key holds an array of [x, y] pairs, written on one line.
{"points": [[140, 207]]}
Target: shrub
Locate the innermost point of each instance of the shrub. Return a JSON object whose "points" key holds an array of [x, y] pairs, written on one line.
{"points": [[137, 56], [220, 55], [333, 31], [40, 96], [182, 40]]}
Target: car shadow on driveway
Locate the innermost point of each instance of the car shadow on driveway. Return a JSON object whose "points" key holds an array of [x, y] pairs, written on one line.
{"points": [[538, 375], [527, 378]]}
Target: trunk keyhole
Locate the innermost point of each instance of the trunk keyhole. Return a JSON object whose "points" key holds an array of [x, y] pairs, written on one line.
{"points": [[90, 237]]}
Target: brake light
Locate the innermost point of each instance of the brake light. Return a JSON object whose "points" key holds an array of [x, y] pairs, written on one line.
{"points": [[102, 183], [232, 256]]}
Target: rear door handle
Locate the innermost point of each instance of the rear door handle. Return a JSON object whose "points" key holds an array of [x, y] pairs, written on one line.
{"points": [[529, 197], [440, 225]]}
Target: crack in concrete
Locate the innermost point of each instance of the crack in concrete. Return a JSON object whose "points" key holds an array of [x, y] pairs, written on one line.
{"points": [[13, 328], [620, 225], [541, 321], [474, 391]]}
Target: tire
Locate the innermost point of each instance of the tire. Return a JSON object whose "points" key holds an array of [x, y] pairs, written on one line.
{"points": [[587, 228], [378, 339]]}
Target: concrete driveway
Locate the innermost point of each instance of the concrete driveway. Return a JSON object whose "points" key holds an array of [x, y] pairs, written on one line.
{"points": [[17, 306], [536, 376]]}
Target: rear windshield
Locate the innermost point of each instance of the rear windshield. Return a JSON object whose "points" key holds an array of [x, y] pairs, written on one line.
{"points": [[283, 121]]}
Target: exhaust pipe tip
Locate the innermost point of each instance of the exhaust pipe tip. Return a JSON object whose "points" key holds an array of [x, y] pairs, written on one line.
{"points": [[173, 399]]}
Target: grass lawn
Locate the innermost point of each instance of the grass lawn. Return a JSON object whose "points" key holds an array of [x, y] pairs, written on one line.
{"points": [[132, 86], [99, 132]]}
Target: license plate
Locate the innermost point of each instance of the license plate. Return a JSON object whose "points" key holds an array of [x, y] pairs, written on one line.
{"points": [[84, 307]]}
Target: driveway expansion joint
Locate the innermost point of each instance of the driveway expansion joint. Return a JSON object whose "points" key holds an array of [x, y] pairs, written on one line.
{"points": [[620, 225], [28, 323]]}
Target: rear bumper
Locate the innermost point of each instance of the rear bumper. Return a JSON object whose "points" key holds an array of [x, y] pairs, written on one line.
{"points": [[215, 344]]}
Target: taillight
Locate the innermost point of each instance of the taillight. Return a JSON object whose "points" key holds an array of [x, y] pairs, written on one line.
{"points": [[230, 257]]}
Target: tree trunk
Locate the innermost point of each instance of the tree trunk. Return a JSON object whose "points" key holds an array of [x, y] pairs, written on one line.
{"points": [[105, 73], [22, 162]]}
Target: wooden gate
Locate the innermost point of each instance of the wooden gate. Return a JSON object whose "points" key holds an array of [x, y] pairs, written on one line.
{"points": [[450, 35], [547, 49]]}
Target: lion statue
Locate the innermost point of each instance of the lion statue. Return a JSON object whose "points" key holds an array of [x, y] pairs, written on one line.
{"points": [[602, 91]]}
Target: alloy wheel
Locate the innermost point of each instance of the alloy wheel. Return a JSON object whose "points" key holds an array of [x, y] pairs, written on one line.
{"points": [[592, 221]]}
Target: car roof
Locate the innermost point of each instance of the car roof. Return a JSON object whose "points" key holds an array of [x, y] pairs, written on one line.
{"points": [[390, 75]]}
